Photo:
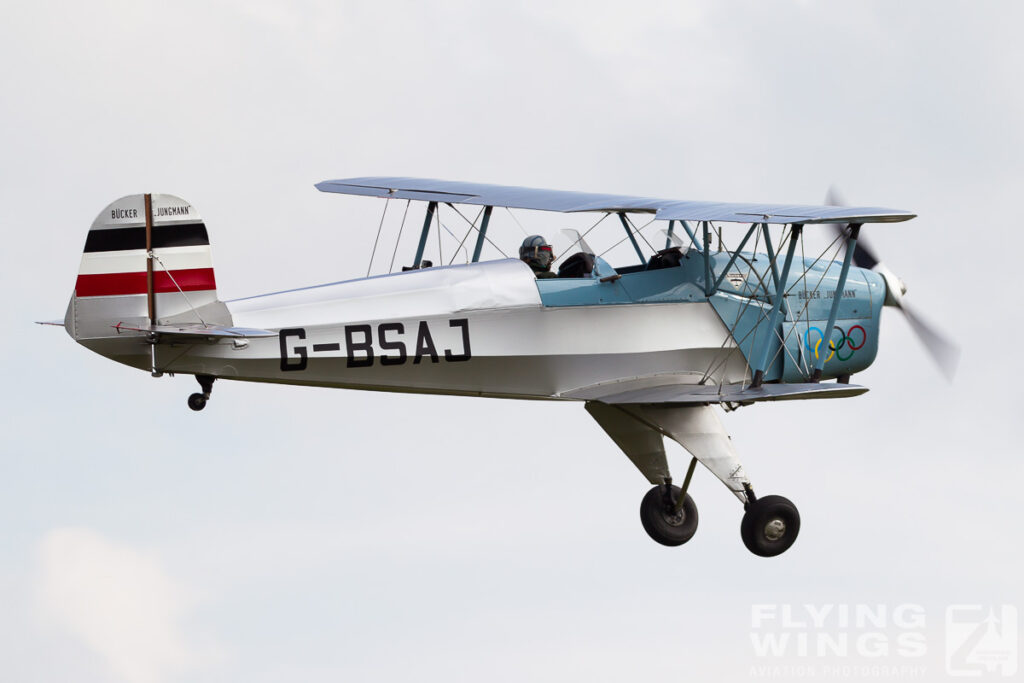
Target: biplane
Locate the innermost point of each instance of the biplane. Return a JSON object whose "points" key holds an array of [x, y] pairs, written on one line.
{"points": [[653, 343]]}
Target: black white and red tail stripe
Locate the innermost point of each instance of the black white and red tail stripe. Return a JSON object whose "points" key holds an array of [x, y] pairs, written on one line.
{"points": [[113, 284], [114, 262]]}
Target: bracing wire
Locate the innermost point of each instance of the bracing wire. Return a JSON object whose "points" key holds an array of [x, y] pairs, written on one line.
{"points": [[489, 241], [454, 237], [465, 237], [391, 266], [187, 300], [517, 221], [639, 231], [377, 238], [582, 237], [636, 231]]}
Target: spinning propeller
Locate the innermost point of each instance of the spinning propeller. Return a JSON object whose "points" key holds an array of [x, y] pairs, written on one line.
{"points": [[944, 352]]}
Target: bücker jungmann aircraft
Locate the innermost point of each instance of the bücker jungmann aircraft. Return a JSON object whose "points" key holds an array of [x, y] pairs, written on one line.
{"points": [[652, 348]]}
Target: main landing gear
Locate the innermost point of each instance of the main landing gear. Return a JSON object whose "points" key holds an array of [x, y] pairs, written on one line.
{"points": [[770, 525], [198, 401]]}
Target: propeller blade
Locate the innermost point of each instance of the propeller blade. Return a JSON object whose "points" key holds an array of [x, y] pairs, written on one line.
{"points": [[863, 256], [945, 353], [834, 198]]}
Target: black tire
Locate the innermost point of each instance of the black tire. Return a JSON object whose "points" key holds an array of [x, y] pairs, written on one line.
{"points": [[662, 523], [196, 402], [770, 526]]}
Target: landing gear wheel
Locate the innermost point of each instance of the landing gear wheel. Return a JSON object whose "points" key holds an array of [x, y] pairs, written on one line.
{"points": [[770, 526], [660, 519], [198, 401]]}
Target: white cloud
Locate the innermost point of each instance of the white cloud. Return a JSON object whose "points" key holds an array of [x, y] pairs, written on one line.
{"points": [[117, 600]]}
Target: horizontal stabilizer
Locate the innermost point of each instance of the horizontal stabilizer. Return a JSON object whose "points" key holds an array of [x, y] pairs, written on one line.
{"points": [[698, 394], [55, 323], [198, 330]]}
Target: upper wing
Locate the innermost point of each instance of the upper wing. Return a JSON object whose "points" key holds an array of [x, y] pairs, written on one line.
{"points": [[481, 194]]}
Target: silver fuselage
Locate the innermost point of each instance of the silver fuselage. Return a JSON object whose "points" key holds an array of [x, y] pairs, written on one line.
{"points": [[478, 329]]}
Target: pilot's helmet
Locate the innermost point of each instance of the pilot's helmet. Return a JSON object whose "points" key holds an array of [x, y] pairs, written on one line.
{"points": [[536, 252]]}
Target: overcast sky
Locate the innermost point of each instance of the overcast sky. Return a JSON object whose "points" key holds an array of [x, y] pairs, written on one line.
{"points": [[313, 535]]}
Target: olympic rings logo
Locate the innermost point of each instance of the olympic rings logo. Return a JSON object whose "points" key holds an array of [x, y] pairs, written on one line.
{"points": [[847, 340]]}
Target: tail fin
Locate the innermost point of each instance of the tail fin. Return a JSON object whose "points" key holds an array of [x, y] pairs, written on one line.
{"points": [[147, 261]]}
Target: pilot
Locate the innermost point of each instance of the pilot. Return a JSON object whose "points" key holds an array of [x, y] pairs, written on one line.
{"points": [[537, 254]]}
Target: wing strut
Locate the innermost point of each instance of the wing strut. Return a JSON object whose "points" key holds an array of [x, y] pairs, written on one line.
{"points": [[708, 291], [732, 260], [773, 319], [483, 233], [689, 232], [851, 248], [632, 238], [431, 208]]}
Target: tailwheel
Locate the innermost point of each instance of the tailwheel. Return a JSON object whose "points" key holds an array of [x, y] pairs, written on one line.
{"points": [[667, 519], [770, 525], [198, 401]]}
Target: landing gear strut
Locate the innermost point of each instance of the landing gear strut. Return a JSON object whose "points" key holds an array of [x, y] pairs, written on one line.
{"points": [[198, 401], [770, 525]]}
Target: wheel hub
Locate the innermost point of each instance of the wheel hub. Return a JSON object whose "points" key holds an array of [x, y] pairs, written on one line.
{"points": [[774, 529], [675, 518]]}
